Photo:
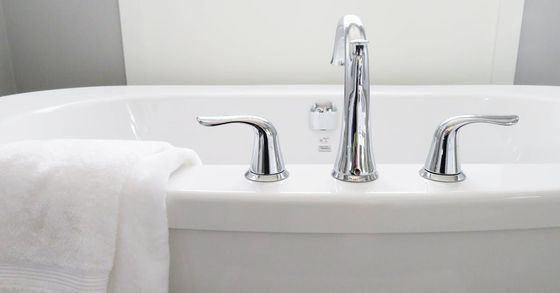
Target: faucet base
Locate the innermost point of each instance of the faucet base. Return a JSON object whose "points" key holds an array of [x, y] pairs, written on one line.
{"points": [[354, 178], [267, 177]]}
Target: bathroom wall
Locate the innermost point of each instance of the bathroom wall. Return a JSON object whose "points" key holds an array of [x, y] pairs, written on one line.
{"points": [[539, 49], [7, 82], [290, 41], [69, 43], [64, 43]]}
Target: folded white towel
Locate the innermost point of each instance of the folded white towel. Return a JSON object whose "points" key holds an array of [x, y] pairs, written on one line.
{"points": [[85, 216]]}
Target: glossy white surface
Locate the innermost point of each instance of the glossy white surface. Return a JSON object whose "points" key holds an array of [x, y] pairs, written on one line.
{"points": [[494, 197], [498, 231], [513, 261], [404, 119]]}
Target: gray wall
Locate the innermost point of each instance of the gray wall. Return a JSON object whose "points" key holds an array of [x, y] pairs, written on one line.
{"points": [[72, 43], [538, 61], [7, 83], [64, 43]]}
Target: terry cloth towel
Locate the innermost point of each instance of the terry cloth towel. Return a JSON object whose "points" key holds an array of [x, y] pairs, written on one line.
{"points": [[86, 215]]}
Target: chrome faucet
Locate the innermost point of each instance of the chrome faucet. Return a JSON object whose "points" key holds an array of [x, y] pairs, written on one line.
{"points": [[354, 161]]}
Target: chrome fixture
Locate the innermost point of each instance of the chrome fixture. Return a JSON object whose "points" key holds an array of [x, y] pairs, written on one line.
{"points": [[442, 163], [267, 164], [354, 162], [323, 107]]}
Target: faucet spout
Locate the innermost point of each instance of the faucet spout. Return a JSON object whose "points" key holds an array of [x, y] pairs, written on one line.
{"points": [[355, 162], [348, 29]]}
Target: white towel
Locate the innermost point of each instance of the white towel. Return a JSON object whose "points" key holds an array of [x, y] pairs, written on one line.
{"points": [[85, 216]]}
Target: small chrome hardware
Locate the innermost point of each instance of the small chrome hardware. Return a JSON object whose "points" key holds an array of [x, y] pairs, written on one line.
{"points": [[267, 164], [323, 116], [323, 107], [354, 162], [442, 164]]}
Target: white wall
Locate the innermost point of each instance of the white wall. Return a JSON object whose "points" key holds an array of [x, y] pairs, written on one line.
{"points": [[64, 43], [7, 82], [290, 41]]}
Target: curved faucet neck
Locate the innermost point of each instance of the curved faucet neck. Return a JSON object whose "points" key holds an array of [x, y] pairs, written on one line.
{"points": [[355, 161]]}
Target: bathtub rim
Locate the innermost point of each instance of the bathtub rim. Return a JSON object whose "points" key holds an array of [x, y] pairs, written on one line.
{"points": [[47, 100], [494, 197]]}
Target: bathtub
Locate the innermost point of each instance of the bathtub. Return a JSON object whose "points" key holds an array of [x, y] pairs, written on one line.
{"points": [[498, 231]]}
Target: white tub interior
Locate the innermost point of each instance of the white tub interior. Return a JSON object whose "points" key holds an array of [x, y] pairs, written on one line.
{"points": [[404, 119]]}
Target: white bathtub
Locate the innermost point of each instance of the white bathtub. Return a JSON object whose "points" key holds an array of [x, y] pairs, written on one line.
{"points": [[498, 231]]}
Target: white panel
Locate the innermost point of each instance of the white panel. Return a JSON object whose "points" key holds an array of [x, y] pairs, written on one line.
{"points": [[507, 41], [290, 41]]}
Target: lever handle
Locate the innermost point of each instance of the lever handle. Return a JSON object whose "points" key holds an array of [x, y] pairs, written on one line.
{"points": [[442, 163], [267, 163]]}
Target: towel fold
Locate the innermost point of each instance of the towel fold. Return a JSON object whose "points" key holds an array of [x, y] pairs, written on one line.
{"points": [[85, 215]]}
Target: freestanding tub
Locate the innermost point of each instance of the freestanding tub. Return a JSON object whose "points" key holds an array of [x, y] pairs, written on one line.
{"points": [[498, 231]]}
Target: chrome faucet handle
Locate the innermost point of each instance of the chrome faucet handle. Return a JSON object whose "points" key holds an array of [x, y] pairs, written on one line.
{"points": [[267, 164], [442, 163]]}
